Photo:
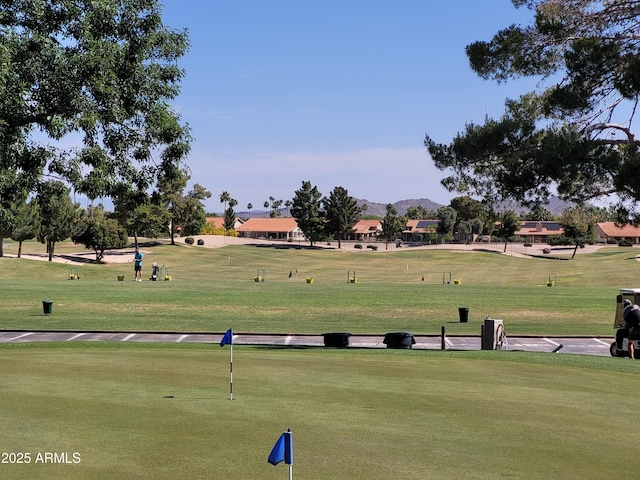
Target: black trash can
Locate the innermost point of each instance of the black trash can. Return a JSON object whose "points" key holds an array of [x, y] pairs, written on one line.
{"points": [[336, 339], [464, 314], [47, 306], [399, 340]]}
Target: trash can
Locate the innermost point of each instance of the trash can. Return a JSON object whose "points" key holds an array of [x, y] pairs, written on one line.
{"points": [[399, 340], [47, 306], [336, 339], [464, 314]]}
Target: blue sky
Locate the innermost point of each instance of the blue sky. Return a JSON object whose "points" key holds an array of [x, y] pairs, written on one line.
{"points": [[340, 93]]}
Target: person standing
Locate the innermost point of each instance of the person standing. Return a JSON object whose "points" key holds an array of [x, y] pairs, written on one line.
{"points": [[631, 317], [137, 265]]}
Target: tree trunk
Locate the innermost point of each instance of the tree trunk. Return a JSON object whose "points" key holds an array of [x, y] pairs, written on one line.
{"points": [[574, 252], [1, 247], [50, 248], [19, 248], [505, 247]]}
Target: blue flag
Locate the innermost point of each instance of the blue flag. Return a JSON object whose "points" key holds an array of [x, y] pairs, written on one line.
{"points": [[282, 451], [227, 339]]}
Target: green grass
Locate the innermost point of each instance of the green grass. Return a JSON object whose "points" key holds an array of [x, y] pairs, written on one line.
{"points": [[141, 411], [214, 289], [357, 414]]}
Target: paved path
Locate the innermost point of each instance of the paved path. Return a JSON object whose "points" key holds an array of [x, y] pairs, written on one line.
{"points": [[577, 345]]}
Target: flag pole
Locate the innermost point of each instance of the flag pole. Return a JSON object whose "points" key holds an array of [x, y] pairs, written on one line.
{"points": [[228, 340], [231, 372]]}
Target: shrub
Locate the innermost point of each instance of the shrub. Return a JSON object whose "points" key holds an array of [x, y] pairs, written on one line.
{"points": [[200, 241], [528, 245], [357, 245], [625, 243], [373, 247], [189, 240]]}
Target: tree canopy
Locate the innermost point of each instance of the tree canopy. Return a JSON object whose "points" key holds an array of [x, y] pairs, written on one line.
{"points": [[573, 136], [97, 74], [342, 213], [392, 225], [306, 210]]}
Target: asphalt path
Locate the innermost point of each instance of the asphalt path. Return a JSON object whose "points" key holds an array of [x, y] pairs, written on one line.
{"points": [[572, 345]]}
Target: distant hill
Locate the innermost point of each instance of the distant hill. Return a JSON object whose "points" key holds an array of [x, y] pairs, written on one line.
{"points": [[373, 208], [380, 209], [555, 206]]}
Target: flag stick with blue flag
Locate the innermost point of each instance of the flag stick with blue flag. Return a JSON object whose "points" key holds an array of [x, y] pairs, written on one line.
{"points": [[228, 340], [282, 451]]}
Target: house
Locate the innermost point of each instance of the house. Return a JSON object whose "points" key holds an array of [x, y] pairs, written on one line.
{"points": [[609, 231], [367, 230], [532, 231], [415, 229], [271, 228], [218, 222]]}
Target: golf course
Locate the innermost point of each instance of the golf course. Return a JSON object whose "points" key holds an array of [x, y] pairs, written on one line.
{"points": [[107, 410]]}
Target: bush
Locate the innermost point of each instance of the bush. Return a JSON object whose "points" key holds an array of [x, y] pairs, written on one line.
{"points": [[189, 240], [625, 243], [357, 245], [200, 241], [373, 247], [528, 245]]}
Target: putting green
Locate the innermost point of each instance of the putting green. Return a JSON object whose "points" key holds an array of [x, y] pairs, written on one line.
{"points": [[163, 411]]}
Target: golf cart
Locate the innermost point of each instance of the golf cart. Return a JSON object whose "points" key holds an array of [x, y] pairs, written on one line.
{"points": [[632, 294]]}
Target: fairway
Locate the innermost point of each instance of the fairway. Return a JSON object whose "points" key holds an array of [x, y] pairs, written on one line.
{"points": [[158, 411], [215, 289], [137, 411]]}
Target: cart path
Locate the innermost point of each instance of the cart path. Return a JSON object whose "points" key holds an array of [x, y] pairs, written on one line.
{"points": [[584, 345]]}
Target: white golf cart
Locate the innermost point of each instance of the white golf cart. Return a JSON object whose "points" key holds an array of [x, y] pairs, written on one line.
{"points": [[632, 294]]}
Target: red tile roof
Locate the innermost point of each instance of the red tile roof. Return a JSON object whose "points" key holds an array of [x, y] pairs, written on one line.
{"points": [[367, 226], [218, 222], [269, 225], [612, 230]]}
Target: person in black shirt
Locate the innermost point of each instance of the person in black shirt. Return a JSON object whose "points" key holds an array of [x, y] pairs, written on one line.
{"points": [[631, 317]]}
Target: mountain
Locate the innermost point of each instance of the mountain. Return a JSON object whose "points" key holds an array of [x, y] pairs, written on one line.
{"points": [[555, 206], [380, 209]]}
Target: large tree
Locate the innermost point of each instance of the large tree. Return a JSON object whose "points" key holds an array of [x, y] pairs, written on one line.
{"points": [[57, 213], [392, 225], [446, 220], [230, 215], [509, 224], [26, 223], [573, 135], [141, 216], [98, 74], [342, 213], [99, 233], [306, 210], [579, 224]]}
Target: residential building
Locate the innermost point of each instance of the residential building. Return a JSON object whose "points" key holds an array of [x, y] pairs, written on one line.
{"points": [[610, 232], [218, 222], [416, 228], [285, 228], [538, 231], [366, 230]]}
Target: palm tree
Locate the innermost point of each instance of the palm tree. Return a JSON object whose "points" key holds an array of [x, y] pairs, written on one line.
{"points": [[224, 198], [249, 207]]}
